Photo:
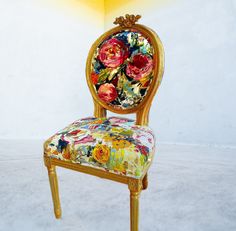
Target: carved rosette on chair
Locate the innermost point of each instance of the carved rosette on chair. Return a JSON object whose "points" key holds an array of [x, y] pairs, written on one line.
{"points": [[124, 69]]}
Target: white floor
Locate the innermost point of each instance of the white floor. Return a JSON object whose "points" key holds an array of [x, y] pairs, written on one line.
{"points": [[191, 188]]}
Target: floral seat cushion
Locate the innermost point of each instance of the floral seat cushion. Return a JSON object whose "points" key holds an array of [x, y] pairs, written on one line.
{"points": [[112, 144]]}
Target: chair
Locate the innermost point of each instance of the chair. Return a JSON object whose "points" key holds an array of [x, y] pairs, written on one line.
{"points": [[124, 69]]}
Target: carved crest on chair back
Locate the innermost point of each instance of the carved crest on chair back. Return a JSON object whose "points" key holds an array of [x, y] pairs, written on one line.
{"points": [[124, 69]]}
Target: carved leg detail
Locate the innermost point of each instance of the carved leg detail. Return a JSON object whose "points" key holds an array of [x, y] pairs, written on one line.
{"points": [[54, 190], [135, 187], [134, 210], [145, 182]]}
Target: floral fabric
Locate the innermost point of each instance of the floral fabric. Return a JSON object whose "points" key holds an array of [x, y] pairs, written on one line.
{"points": [[122, 69], [114, 144]]}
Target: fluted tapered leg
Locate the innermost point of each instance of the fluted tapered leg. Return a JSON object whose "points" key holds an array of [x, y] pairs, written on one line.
{"points": [[134, 210], [135, 187], [54, 190], [145, 182]]}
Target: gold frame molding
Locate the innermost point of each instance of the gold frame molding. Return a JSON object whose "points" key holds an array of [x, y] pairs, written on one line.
{"points": [[142, 113]]}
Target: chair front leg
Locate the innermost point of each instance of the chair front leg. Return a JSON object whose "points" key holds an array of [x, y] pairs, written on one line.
{"points": [[54, 190], [135, 187]]}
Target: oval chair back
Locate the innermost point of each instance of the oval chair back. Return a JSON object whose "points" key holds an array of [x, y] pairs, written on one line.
{"points": [[124, 69]]}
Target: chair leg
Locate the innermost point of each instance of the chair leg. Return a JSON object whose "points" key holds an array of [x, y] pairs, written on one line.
{"points": [[135, 187], [145, 182], [54, 190]]}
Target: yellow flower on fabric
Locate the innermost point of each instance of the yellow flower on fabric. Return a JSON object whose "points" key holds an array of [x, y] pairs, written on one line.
{"points": [[117, 130], [101, 153], [98, 135], [122, 131], [120, 144], [119, 154], [145, 81], [119, 167], [108, 138]]}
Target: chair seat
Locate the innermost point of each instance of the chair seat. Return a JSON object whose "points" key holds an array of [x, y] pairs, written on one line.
{"points": [[112, 144]]}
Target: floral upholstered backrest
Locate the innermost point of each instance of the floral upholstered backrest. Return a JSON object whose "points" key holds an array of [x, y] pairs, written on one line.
{"points": [[124, 68]]}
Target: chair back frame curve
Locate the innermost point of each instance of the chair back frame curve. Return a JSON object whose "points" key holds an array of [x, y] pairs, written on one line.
{"points": [[142, 109]]}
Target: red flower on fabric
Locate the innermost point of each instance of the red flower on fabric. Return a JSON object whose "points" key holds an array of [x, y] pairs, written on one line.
{"points": [[139, 67], [107, 92], [94, 78], [143, 149], [113, 53], [74, 133]]}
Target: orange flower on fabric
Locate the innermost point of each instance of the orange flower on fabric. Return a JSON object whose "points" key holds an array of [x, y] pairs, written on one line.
{"points": [[98, 121], [94, 78], [101, 153], [66, 152]]}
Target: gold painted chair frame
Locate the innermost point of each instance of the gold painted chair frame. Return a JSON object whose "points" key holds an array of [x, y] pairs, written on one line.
{"points": [[142, 114]]}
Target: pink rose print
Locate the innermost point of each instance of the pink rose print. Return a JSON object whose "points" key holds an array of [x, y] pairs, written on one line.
{"points": [[113, 53], [139, 67], [85, 139]]}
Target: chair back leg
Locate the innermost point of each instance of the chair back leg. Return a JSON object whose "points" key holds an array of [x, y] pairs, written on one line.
{"points": [[145, 182]]}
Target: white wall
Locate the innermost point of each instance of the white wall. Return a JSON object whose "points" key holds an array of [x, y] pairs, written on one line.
{"points": [[196, 102], [43, 50]]}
